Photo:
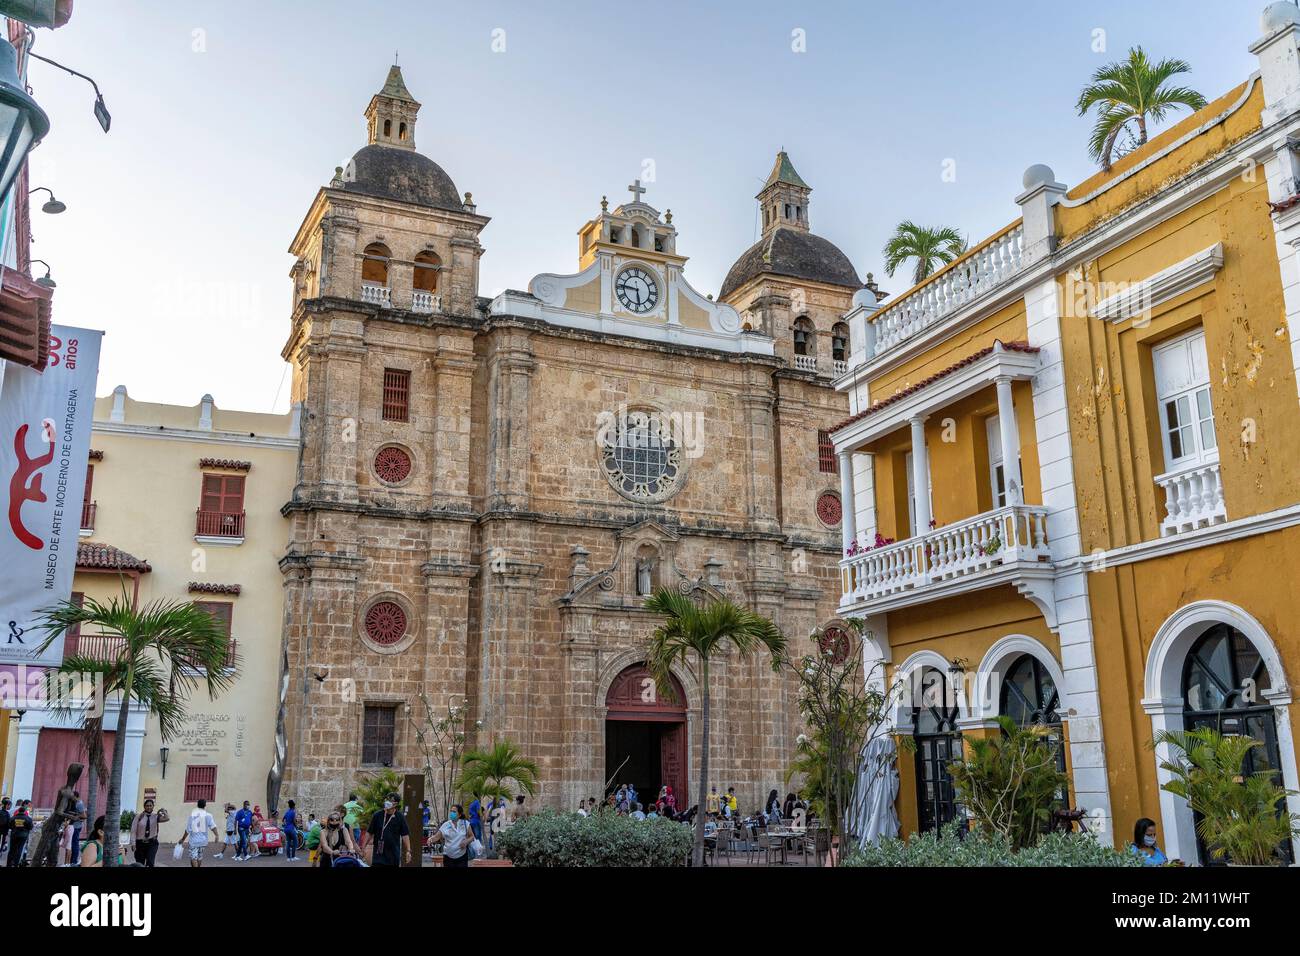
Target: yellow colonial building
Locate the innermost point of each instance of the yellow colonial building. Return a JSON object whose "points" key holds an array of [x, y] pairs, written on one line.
{"points": [[1069, 470], [182, 503]]}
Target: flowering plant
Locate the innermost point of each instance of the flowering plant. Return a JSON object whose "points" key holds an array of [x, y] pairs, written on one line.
{"points": [[880, 542]]}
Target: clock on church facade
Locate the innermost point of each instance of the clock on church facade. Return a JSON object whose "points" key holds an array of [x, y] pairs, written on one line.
{"points": [[488, 491]]}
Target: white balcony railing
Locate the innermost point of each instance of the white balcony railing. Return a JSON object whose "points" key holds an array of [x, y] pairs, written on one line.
{"points": [[992, 540], [967, 279], [805, 363], [1193, 498], [427, 302], [841, 366], [374, 294]]}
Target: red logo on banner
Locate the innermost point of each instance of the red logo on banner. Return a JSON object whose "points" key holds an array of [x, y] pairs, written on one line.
{"points": [[25, 485]]}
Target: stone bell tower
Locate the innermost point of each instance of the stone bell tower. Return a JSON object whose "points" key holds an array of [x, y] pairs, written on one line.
{"points": [[390, 117]]}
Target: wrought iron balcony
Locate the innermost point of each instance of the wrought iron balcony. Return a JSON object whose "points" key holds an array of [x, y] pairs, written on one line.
{"points": [[100, 647], [1004, 546], [1193, 498]]}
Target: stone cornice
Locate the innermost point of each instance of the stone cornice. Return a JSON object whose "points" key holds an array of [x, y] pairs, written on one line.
{"points": [[1142, 297]]}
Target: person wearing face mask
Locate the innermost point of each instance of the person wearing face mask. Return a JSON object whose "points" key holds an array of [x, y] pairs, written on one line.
{"points": [[335, 840], [1145, 845], [455, 836], [390, 838]]}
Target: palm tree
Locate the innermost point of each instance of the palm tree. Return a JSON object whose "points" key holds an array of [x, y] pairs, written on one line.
{"points": [[157, 656], [931, 248], [1132, 91], [690, 629], [487, 772]]}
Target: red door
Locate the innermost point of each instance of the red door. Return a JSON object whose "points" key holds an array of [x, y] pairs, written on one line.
{"points": [[672, 762], [54, 751]]}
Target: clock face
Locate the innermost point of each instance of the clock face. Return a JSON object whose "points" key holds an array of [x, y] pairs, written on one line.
{"points": [[637, 290]]}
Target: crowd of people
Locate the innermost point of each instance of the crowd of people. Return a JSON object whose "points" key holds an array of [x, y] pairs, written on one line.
{"points": [[624, 800], [342, 837]]}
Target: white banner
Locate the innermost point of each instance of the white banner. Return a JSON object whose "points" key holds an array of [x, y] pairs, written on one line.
{"points": [[45, 420]]}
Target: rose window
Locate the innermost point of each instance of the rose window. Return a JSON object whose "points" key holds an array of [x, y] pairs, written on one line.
{"points": [[829, 509], [834, 641], [392, 465], [385, 623], [641, 457]]}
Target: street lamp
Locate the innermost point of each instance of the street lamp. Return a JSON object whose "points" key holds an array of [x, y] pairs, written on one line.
{"points": [[23, 123], [45, 281], [53, 207], [162, 752]]}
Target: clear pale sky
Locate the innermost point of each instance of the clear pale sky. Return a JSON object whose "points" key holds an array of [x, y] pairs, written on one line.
{"points": [[227, 117]]}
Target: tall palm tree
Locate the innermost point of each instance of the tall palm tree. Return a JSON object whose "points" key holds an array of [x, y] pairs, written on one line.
{"points": [[157, 656], [1132, 91], [487, 772], [931, 248], [689, 629]]}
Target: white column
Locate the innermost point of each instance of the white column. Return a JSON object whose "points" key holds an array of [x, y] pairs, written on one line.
{"points": [[131, 761], [29, 735], [920, 476], [848, 509], [1009, 431]]}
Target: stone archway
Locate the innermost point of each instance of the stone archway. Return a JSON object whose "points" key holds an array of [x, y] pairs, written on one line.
{"points": [[646, 740], [1163, 702]]}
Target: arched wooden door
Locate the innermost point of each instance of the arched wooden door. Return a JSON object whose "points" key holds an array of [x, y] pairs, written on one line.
{"points": [[651, 721]]}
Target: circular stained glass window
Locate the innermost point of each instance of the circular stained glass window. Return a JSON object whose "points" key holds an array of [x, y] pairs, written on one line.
{"points": [[835, 642], [829, 509], [385, 623], [392, 465], [641, 456]]}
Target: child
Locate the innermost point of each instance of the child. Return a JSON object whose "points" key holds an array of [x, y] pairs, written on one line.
{"points": [[230, 830]]}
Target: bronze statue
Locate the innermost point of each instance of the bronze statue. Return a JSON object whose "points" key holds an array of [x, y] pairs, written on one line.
{"points": [[64, 812]]}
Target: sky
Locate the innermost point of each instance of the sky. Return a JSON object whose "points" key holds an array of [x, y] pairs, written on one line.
{"points": [[229, 115]]}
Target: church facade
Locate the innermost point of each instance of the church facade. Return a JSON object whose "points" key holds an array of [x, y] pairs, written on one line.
{"points": [[488, 489]]}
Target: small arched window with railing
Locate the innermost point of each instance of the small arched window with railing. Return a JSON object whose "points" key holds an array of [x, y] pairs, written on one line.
{"points": [[374, 274], [803, 336], [425, 297], [840, 342]]}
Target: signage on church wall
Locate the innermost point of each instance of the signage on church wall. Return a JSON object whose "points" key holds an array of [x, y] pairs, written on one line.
{"points": [[204, 734], [45, 420]]}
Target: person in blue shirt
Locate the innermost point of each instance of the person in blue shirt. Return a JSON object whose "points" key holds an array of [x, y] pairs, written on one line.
{"points": [[290, 822], [475, 820], [1145, 845], [244, 823]]}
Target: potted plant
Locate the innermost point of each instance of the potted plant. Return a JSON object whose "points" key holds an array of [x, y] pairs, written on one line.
{"points": [[1243, 816]]}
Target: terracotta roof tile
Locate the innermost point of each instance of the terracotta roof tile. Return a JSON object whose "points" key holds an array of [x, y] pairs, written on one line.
{"points": [[912, 389], [94, 556]]}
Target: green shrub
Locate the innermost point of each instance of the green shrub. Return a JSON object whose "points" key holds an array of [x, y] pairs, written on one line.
{"points": [[371, 789], [983, 848], [1010, 782], [549, 838], [124, 823]]}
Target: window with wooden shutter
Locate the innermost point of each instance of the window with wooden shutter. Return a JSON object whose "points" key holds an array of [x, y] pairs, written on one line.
{"points": [[379, 734], [827, 460], [223, 612], [397, 395], [200, 783], [87, 505], [222, 494]]}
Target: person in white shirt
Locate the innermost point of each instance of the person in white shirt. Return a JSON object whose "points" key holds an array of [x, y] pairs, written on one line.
{"points": [[636, 813], [455, 837], [582, 808], [196, 832]]}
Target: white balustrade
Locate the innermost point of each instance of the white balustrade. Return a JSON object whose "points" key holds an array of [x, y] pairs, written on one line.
{"points": [[1193, 498], [841, 366], [805, 363], [970, 278], [989, 540], [375, 294], [427, 302]]}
